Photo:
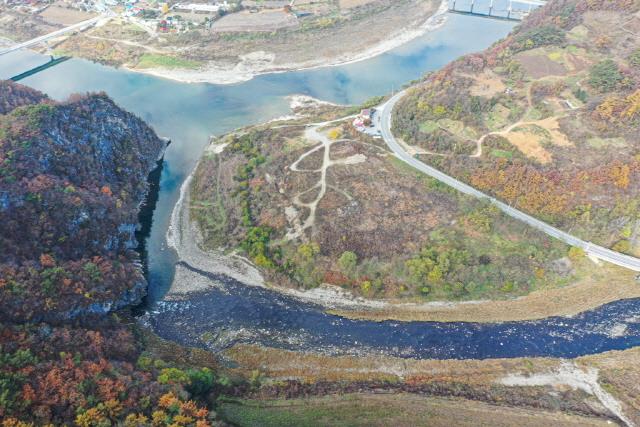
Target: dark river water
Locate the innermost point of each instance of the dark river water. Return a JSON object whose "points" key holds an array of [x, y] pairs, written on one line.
{"points": [[236, 313], [189, 113]]}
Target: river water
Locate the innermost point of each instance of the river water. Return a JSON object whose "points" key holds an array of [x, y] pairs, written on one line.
{"points": [[189, 113]]}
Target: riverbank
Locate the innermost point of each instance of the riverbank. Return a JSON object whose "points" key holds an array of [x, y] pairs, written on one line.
{"points": [[253, 64], [590, 390], [595, 385], [587, 294], [235, 57]]}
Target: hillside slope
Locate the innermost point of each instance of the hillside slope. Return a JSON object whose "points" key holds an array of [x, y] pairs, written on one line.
{"points": [[546, 120]]}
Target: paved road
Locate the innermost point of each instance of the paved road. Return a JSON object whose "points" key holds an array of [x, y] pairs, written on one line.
{"points": [[590, 248], [57, 33]]}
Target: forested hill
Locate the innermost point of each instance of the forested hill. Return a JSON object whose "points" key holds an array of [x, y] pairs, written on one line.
{"points": [[14, 95], [72, 176], [547, 119]]}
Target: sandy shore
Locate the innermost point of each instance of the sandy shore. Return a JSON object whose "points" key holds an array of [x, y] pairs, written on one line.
{"points": [[260, 62], [184, 238]]}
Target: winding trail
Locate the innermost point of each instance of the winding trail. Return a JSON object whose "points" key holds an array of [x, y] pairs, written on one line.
{"points": [[313, 133], [520, 122]]}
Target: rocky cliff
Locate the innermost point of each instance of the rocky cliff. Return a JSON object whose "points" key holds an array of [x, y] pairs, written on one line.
{"points": [[72, 178]]}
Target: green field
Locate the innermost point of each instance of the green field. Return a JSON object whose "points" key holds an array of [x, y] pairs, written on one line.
{"points": [[149, 60], [354, 410]]}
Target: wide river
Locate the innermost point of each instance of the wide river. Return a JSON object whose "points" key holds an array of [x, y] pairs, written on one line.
{"points": [[189, 113]]}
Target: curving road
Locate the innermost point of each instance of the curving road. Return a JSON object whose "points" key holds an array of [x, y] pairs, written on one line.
{"points": [[591, 249]]}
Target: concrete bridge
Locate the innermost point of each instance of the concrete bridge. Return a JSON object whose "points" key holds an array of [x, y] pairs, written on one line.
{"points": [[490, 10], [75, 27]]}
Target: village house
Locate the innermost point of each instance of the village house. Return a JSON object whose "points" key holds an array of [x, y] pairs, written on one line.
{"points": [[365, 118]]}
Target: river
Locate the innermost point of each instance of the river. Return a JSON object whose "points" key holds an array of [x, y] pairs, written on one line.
{"points": [[189, 113]]}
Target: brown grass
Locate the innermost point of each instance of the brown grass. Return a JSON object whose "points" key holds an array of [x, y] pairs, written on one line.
{"points": [[64, 16], [537, 65], [404, 410], [487, 84], [618, 370], [530, 144]]}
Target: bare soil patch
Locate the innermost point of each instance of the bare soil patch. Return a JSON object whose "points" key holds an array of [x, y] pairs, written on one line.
{"points": [[487, 84], [350, 4], [529, 143], [266, 20], [538, 65], [59, 15]]}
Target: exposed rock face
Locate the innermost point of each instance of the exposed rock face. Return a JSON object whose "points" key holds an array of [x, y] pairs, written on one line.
{"points": [[72, 178]]}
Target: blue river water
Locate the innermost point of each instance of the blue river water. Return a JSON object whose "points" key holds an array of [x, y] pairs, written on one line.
{"points": [[189, 113]]}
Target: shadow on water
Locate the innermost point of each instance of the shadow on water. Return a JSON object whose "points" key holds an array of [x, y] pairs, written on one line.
{"points": [[145, 219]]}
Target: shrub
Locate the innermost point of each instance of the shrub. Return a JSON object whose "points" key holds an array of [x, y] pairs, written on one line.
{"points": [[575, 253], [303, 267], [173, 376], [200, 381], [256, 244], [580, 94], [508, 287], [347, 262], [623, 246], [365, 286], [335, 133], [541, 36], [634, 58], [605, 76]]}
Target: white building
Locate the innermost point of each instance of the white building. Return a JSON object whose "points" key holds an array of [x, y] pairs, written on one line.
{"points": [[200, 7]]}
